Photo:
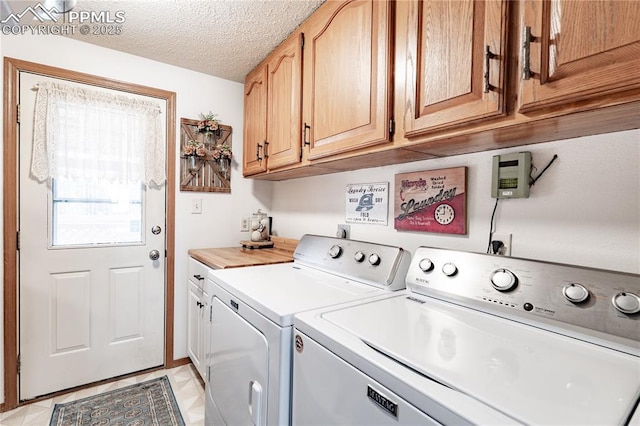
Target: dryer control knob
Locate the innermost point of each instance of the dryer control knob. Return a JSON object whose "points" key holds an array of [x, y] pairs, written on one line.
{"points": [[503, 280], [359, 256], [449, 269], [374, 259], [627, 303], [425, 265], [575, 293], [335, 251]]}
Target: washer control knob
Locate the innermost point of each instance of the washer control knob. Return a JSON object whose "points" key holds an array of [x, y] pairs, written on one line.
{"points": [[359, 256], [449, 269], [425, 265], [374, 259], [575, 293], [503, 280], [627, 303], [335, 251]]}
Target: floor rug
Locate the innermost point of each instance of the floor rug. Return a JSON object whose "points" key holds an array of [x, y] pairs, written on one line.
{"points": [[147, 403]]}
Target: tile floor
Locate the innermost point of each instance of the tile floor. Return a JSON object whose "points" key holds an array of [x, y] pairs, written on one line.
{"points": [[185, 382]]}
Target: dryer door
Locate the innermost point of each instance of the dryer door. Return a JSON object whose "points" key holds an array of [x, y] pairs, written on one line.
{"points": [[239, 368]]}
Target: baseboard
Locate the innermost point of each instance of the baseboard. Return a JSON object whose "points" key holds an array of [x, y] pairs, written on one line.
{"points": [[178, 362]]}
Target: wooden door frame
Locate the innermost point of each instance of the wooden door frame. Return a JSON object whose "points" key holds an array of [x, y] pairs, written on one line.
{"points": [[12, 69]]}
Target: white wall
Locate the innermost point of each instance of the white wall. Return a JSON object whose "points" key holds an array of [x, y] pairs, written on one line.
{"points": [[219, 223], [585, 210]]}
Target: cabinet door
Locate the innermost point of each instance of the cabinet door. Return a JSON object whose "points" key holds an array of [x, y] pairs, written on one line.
{"points": [[255, 122], [579, 50], [194, 326], [347, 76], [205, 331], [284, 107], [455, 62]]}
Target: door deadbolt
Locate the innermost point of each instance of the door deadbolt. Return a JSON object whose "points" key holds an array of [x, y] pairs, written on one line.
{"points": [[154, 255], [156, 230]]}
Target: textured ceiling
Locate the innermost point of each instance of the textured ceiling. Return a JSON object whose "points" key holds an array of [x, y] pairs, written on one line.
{"points": [[224, 38]]}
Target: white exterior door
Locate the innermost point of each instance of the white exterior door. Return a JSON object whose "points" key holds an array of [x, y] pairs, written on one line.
{"points": [[87, 311]]}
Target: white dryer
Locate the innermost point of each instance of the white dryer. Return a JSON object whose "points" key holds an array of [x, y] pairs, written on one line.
{"points": [[251, 343], [477, 339]]}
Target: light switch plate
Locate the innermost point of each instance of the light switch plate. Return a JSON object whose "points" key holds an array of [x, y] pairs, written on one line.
{"points": [[196, 206]]}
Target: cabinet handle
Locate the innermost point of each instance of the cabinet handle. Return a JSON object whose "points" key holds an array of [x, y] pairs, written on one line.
{"points": [[526, 53], [198, 304], [305, 141], [258, 146], [487, 56], [266, 151], [198, 277]]}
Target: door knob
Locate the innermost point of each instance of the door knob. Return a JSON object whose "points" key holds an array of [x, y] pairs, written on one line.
{"points": [[154, 255]]}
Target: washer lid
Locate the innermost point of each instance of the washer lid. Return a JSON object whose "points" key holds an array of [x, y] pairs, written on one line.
{"points": [[282, 290], [530, 374]]}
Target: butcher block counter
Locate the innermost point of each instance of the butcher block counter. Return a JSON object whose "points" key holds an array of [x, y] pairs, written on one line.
{"points": [[235, 257]]}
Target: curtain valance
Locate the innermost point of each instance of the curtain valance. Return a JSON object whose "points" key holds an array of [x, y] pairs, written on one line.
{"points": [[84, 134]]}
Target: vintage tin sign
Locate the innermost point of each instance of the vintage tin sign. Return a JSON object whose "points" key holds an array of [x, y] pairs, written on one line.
{"points": [[431, 201], [367, 203]]}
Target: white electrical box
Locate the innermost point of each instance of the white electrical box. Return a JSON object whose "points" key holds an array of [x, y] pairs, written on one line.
{"points": [[511, 174]]}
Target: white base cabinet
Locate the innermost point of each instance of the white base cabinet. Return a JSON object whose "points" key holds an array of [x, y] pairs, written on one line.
{"points": [[197, 315]]}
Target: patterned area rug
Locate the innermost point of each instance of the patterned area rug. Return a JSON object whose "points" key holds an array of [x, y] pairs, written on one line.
{"points": [[148, 403]]}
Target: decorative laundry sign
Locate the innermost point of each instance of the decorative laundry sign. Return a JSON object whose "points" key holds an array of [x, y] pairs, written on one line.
{"points": [[367, 203], [431, 201]]}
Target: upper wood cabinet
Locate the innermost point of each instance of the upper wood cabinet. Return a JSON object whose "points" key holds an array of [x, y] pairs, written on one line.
{"points": [[578, 50], [347, 90], [273, 110], [455, 62], [255, 122], [452, 72], [284, 108]]}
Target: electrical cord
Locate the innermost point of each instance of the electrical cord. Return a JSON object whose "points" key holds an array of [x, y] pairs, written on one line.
{"points": [[533, 180], [491, 224]]}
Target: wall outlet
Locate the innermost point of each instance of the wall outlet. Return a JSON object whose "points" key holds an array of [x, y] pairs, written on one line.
{"points": [[244, 224], [196, 206], [343, 231], [505, 250]]}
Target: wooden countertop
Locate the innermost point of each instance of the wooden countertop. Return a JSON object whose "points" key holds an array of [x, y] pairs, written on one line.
{"points": [[235, 257]]}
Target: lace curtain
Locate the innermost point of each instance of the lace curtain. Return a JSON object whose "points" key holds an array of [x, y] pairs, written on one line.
{"points": [[91, 135]]}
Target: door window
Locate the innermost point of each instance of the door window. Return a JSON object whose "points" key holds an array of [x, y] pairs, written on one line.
{"points": [[96, 213]]}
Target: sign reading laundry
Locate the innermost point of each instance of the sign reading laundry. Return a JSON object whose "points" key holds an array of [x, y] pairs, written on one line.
{"points": [[367, 203], [431, 201]]}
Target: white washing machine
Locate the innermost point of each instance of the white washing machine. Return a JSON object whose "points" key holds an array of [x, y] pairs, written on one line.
{"points": [[251, 342], [477, 339]]}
